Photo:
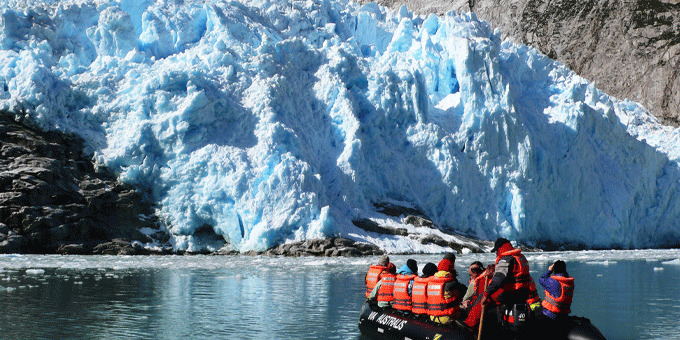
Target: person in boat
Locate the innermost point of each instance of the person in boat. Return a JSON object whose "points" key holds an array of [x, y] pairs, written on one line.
{"points": [[419, 290], [403, 286], [559, 291], [511, 290], [475, 269], [375, 273], [383, 291], [444, 293], [474, 310]]}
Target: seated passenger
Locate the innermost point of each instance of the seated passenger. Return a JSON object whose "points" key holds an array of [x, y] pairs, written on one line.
{"points": [[476, 300], [559, 291], [444, 294], [475, 269], [383, 291], [419, 291], [403, 286], [374, 273]]}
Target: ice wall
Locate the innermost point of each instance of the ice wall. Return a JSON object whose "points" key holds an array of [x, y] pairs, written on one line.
{"points": [[258, 122]]}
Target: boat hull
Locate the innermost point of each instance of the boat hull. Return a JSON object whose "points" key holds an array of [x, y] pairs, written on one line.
{"points": [[377, 323]]}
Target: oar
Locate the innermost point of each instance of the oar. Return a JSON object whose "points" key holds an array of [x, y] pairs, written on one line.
{"points": [[481, 317]]}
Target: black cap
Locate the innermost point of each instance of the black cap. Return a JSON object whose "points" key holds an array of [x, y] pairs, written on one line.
{"points": [[413, 265], [450, 256], [559, 267], [429, 269], [499, 243]]}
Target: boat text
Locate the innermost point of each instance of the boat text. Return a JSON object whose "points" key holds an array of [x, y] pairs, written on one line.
{"points": [[387, 320]]}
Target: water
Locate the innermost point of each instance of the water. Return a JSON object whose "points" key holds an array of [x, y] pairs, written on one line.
{"points": [[626, 294]]}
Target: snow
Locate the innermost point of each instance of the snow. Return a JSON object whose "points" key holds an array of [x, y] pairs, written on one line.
{"points": [[270, 121]]}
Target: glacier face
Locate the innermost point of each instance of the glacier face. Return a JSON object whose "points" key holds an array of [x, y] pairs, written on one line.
{"points": [[269, 121]]}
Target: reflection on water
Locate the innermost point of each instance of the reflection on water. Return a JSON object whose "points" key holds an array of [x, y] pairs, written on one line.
{"points": [[628, 295]]}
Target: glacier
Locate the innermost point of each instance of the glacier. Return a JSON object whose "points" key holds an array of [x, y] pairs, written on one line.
{"points": [[255, 123]]}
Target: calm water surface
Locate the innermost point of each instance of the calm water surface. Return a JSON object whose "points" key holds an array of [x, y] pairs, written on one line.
{"points": [[626, 294]]}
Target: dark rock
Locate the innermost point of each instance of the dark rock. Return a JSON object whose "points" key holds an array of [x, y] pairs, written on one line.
{"points": [[392, 209], [13, 244], [368, 249], [72, 249], [226, 252], [333, 246], [116, 247], [418, 221], [57, 201], [349, 252], [371, 226], [343, 242]]}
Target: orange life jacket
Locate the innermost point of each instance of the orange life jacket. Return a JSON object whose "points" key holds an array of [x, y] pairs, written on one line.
{"points": [[386, 291], [419, 295], [402, 300], [438, 303], [562, 303], [372, 277], [520, 271]]}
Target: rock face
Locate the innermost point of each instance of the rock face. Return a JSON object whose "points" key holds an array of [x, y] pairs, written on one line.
{"points": [[335, 246], [54, 200], [630, 49]]}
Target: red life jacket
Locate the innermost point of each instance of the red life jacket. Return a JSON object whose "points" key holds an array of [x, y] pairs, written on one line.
{"points": [[386, 291], [475, 311], [562, 303], [372, 277], [419, 295], [520, 271], [438, 304], [481, 282], [402, 300]]}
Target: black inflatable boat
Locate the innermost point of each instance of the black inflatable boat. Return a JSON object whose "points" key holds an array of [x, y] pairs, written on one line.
{"points": [[378, 323]]}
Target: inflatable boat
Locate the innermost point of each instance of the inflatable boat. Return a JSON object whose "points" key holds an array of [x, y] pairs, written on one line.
{"points": [[378, 323]]}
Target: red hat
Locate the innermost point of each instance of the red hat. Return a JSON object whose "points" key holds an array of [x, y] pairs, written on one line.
{"points": [[445, 265]]}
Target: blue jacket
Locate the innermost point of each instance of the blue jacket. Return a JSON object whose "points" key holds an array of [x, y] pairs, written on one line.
{"points": [[553, 287], [405, 270]]}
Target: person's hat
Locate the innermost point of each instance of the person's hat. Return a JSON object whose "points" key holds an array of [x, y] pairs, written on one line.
{"points": [[384, 260], [445, 265], [559, 267], [413, 265], [450, 256], [499, 243], [429, 269]]}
